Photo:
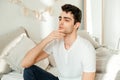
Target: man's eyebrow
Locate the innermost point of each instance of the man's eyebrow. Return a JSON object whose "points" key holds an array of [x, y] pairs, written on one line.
{"points": [[65, 17], [60, 17]]}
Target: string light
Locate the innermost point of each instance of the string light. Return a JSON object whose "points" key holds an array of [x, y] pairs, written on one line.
{"points": [[26, 11], [15, 1], [37, 14]]}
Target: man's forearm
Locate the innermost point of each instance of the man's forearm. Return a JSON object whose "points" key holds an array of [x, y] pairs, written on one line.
{"points": [[31, 56]]}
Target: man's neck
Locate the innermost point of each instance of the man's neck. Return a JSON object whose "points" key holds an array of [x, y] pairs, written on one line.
{"points": [[69, 40]]}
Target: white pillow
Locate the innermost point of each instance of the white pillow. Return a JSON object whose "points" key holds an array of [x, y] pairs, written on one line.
{"points": [[17, 53], [102, 57], [12, 44], [84, 34], [5, 39], [4, 67], [112, 68]]}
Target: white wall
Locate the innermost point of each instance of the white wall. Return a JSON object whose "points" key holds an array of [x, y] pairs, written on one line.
{"points": [[111, 17], [12, 17], [94, 18], [110, 26]]}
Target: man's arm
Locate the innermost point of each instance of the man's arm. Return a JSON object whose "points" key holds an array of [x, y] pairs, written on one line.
{"points": [[88, 76], [32, 56], [36, 54]]}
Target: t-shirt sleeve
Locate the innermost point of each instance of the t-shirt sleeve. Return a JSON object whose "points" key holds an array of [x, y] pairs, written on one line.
{"points": [[89, 59], [49, 48]]}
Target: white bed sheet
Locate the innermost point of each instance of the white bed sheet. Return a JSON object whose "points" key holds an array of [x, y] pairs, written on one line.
{"points": [[12, 76]]}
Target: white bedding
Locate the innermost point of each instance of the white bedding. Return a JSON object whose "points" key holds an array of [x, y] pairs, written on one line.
{"points": [[105, 60], [12, 76], [17, 76]]}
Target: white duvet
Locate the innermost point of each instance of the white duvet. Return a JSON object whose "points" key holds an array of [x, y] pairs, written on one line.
{"points": [[12, 76], [104, 56]]}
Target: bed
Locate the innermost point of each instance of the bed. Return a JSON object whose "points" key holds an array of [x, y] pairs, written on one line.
{"points": [[107, 60]]}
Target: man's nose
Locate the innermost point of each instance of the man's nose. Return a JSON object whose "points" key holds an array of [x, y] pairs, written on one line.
{"points": [[61, 22]]}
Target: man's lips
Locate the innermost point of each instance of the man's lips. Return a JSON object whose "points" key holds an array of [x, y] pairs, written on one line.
{"points": [[60, 27]]}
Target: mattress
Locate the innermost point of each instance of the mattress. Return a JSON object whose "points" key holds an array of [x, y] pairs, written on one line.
{"points": [[12, 76]]}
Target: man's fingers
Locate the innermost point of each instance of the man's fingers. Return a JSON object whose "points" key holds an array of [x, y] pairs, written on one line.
{"points": [[58, 34], [62, 34], [60, 30]]}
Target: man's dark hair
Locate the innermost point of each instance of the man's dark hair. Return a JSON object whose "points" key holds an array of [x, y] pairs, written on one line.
{"points": [[74, 10]]}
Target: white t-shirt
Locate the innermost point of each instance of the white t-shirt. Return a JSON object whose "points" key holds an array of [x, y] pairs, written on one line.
{"points": [[71, 63]]}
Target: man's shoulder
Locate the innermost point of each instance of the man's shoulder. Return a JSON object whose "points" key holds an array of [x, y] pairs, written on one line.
{"points": [[85, 42]]}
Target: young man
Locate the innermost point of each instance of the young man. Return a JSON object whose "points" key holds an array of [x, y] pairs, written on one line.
{"points": [[74, 56]]}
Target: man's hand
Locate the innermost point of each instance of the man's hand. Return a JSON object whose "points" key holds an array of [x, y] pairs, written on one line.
{"points": [[58, 34], [88, 76]]}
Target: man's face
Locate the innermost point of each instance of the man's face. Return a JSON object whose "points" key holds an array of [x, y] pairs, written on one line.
{"points": [[66, 22]]}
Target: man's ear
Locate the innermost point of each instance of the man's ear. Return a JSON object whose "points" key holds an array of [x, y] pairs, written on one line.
{"points": [[77, 25]]}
